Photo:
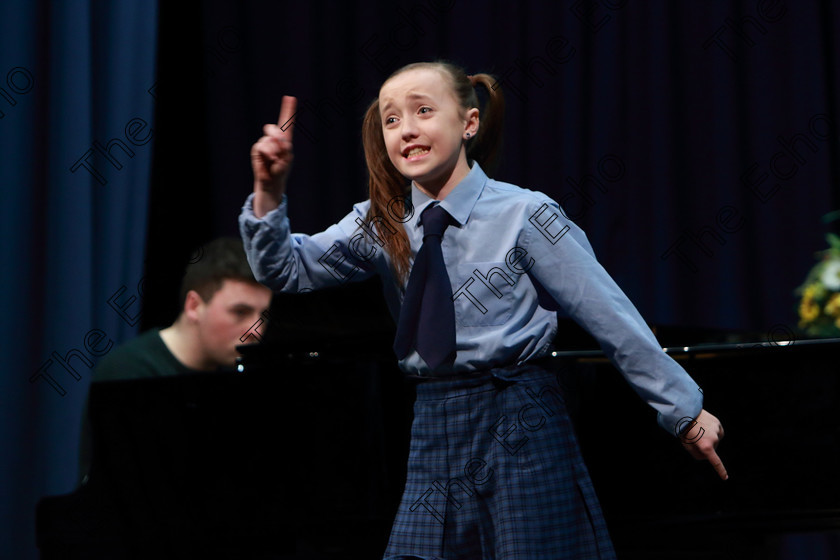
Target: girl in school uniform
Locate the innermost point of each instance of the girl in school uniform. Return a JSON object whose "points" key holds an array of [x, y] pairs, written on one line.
{"points": [[474, 271]]}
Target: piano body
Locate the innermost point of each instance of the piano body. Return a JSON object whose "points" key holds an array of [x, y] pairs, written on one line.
{"points": [[302, 455], [778, 404]]}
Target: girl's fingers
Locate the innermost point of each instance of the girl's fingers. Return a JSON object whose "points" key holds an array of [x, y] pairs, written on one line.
{"points": [[718, 465], [286, 121], [271, 147], [275, 131], [272, 155]]}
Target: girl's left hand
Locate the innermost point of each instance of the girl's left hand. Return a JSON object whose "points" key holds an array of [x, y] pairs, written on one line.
{"points": [[702, 438]]}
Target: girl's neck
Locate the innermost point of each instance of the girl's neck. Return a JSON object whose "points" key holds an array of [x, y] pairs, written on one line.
{"points": [[440, 190]]}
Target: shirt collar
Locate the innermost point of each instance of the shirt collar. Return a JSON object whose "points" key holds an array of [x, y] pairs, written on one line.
{"points": [[458, 203]]}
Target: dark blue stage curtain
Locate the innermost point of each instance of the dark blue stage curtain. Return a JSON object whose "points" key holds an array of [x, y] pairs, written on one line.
{"points": [[695, 142], [76, 136]]}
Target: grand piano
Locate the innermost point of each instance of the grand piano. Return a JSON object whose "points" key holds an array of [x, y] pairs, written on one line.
{"points": [[301, 452]]}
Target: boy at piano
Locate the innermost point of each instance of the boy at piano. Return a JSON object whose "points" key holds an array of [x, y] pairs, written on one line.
{"points": [[220, 300]]}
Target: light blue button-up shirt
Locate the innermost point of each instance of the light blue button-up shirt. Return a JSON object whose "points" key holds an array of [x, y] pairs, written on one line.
{"points": [[513, 260]]}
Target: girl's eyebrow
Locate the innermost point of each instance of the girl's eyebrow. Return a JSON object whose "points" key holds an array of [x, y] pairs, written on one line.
{"points": [[418, 96], [411, 96]]}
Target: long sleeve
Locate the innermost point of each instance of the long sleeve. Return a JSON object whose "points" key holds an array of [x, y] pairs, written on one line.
{"points": [[565, 266], [513, 259], [289, 262]]}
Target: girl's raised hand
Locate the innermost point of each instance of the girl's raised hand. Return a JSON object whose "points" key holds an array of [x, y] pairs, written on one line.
{"points": [[271, 159]]}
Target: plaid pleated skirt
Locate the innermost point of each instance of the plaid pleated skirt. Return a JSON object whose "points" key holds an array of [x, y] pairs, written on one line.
{"points": [[495, 472]]}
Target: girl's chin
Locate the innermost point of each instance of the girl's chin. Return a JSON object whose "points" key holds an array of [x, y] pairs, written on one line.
{"points": [[416, 167], [419, 178], [411, 172]]}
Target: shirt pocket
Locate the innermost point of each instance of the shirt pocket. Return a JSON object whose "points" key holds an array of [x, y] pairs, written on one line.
{"points": [[483, 294]]}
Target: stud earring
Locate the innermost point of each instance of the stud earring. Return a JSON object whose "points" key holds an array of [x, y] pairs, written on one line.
{"points": [[468, 135]]}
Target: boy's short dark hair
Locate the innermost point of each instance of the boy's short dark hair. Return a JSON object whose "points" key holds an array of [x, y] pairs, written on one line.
{"points": [[219, 260]]}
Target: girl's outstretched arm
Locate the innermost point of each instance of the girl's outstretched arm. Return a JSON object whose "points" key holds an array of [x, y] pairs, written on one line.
{"points": [[271, 159], [564, 265]]}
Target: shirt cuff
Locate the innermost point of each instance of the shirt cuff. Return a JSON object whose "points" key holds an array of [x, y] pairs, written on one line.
{"points": [[683, 415], [249, 221]]}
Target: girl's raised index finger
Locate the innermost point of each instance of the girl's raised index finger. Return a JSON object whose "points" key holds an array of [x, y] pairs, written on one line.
{"points": [[287, 113]]}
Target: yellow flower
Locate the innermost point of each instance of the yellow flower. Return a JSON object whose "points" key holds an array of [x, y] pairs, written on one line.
{"points": [[808, 313], [811, 292], [808, 309], [832, 308]]}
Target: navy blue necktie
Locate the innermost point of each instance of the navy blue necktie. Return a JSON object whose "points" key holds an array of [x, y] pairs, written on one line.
{"points": [[427, 316]]}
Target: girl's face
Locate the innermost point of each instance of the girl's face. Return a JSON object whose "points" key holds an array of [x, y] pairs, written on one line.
{"points": [[424, 128]]}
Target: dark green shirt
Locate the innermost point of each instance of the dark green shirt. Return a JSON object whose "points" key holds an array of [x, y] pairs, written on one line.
{"points": [[142, 357]]}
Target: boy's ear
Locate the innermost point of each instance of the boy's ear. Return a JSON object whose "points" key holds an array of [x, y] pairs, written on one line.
{"points": [[192, 304]]}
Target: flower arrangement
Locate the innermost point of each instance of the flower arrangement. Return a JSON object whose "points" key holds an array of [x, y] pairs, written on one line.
{"points": [[819, 306]]}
